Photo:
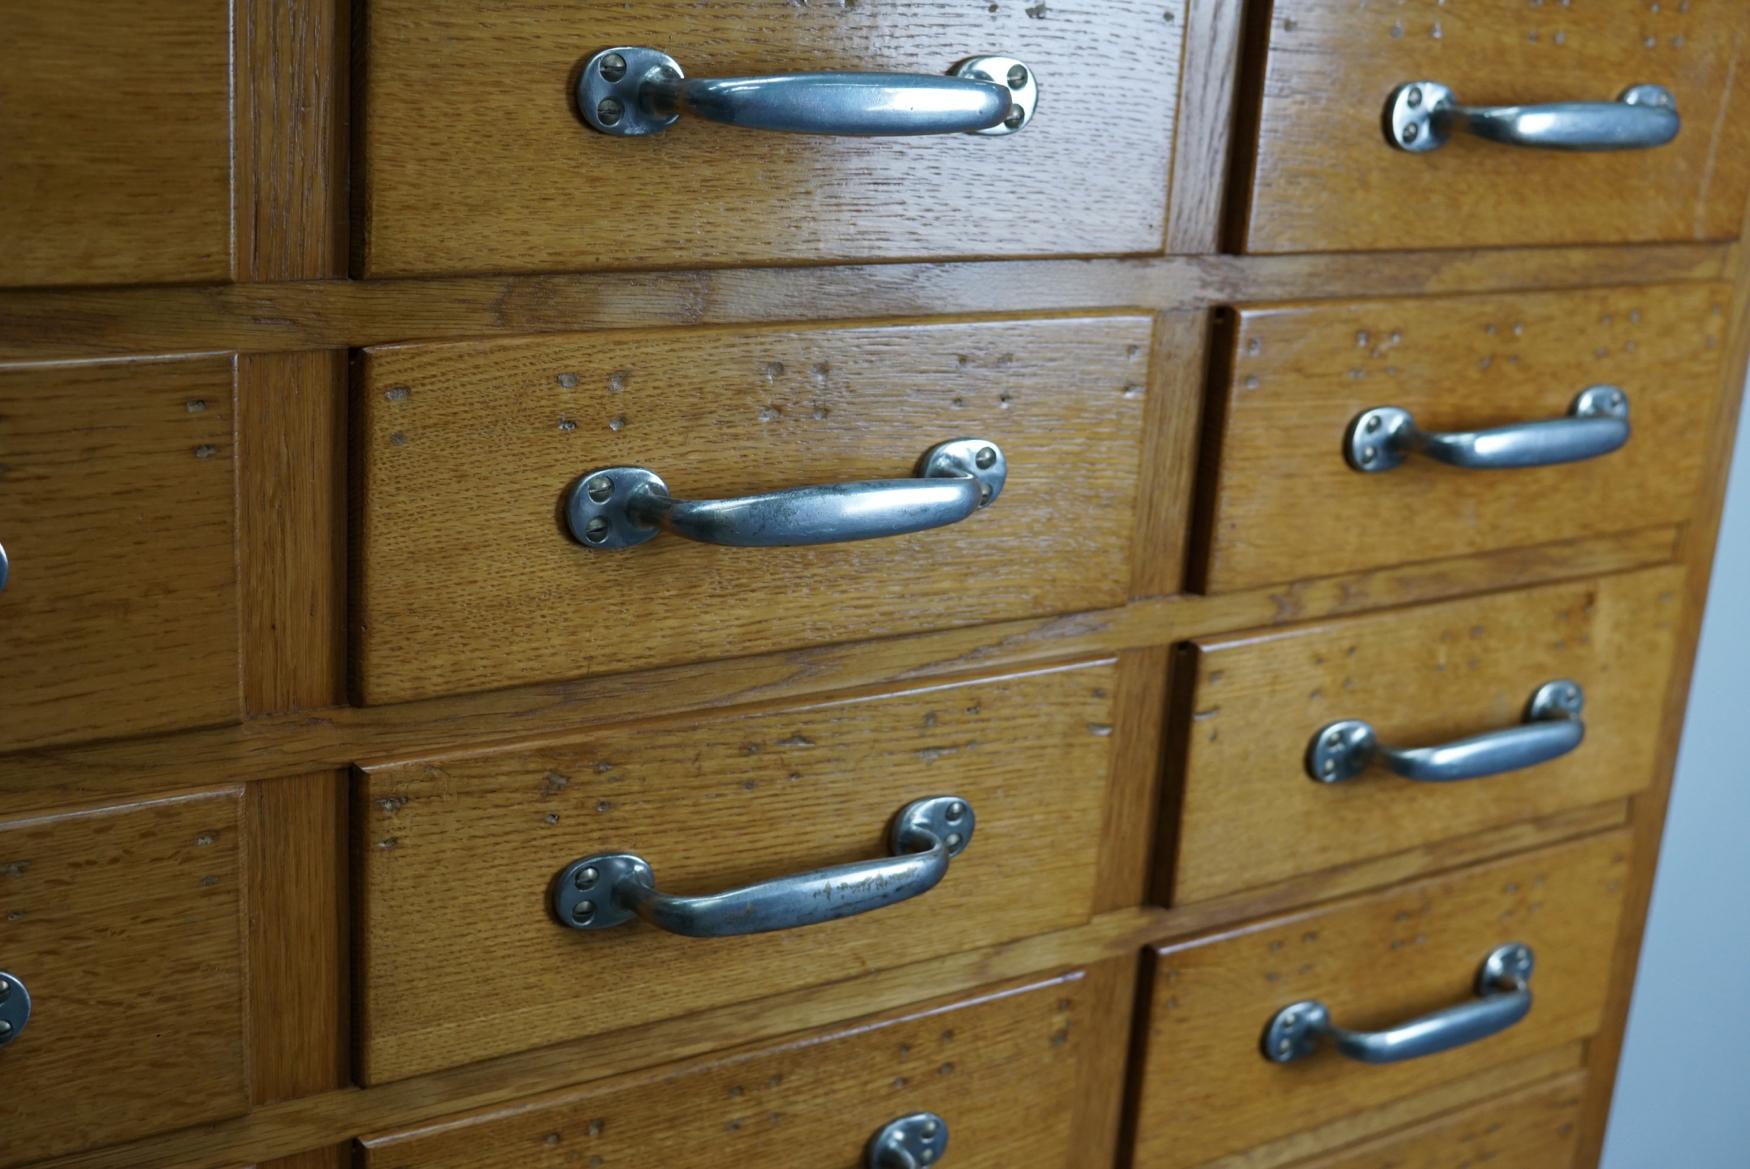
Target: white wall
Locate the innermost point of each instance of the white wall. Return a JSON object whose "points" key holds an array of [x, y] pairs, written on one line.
{"points": [[1683, 1092]]}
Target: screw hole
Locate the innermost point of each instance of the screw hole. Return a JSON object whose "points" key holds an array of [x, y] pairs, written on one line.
{"points": [[955, 811], [596, 531], [1016, 117], [986, 458], [1018, 77], [609, 111], [1412, 132], [613, 67], [586, 878], [583, 912], [601, 489]]}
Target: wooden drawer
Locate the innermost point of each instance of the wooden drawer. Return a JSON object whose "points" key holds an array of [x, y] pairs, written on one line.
{"points": [[1288, 504], [117, 514], [1207, 1091], [543, 191], [467, 578], [1019, 1074], [115, 125], [457, 857], [1532, 1129], [1251, 812], [1325, 178], [125, 926]]}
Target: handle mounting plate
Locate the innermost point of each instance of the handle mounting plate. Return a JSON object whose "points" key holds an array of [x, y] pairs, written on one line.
{"points": [[1023, 90], [911, 1142], [608, 91], [14, 1007]]}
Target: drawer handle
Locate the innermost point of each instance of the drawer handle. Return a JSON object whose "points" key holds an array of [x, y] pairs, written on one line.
{"points": [[1552, 728], [1597, 423], [5, 568], [600, 892], [621, 507], [1421, 115], [14, 1007], [911, 1142], [1503, 998], [632, 92]]}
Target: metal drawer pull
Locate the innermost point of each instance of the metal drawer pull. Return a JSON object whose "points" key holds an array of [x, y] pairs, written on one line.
{"points": [[1503, 998], [621, 507], [14, 1007], [1421, 115], [1597, 423], [631, 92], [600, 892], [1552, 728], [911, 1142], [5, 567]]}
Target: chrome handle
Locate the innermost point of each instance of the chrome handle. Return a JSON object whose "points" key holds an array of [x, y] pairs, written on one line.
{"points": [[621, 507], [5, 568], [1342, 750], [14, 1007], [911, 1142], [631, 92], [1503, 998], [1421, 115], [600, 892], [1597, 423]]}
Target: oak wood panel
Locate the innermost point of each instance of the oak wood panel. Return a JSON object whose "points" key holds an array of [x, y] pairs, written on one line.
{"points": [[115, 126], [1250, 813], [1287, 505], [118, 515], [330, 314], [1534, 1129], [1208, 85], [466, 453], [456, 857], [1325, 179], [270, 746], [1206, 1091], [125, 925], [1002, 1068], [543, 191]]}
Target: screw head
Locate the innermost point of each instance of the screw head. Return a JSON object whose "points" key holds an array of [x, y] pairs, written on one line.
{"points": [[986, 458], [596, 530], [613, 67], [1414, 97], [1368, 454], [1015, 118], [601, 489], [1412, 132], [1018, 77], [1373, 423], [583, 912], [5, 1028], [955, 811], [610, 110], [586, 878], [929, 1128], [1334, 740], [953, 840]]}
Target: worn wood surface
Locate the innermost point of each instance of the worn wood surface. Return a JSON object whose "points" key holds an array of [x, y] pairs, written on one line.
{"points": [[544, 191], [1325, 179], [1287, 505], [456, 857], [1251, 815], [1002, 1067], [465, 578], [125, 925], [116, 126], [1205, 1091], [117, 510]]}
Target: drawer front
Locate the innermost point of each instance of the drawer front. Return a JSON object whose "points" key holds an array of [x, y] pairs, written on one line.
{"points": [[457, 857], [1206, 1089], [1325, 178], [1252, 812], [1020, 1074], [116, 124], [124, 925], [1288, 503], [117, 515], [468, 579], [1532, 1129], [544, 191]]}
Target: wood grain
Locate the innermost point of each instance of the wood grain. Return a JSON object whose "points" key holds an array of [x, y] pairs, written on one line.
{"points": [[116, 124], [1207, 92], [999, 1067], [118, 516], [1205, 1090], [1325, 179], [125, 925], [1287, 505], [1250, 813], [543, 191], [455, 857], [467, 451]]}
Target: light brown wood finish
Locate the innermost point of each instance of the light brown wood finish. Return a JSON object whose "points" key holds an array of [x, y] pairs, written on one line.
{"points": [[544, 191], [125, 925], [467, 453], [1535, 1129], [1003, 1068], [1287, 505], [1325, 179], [1252, 815], [117, 514], [1206, 1091], [456, 857], [1208, 85], [115, 126]]}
